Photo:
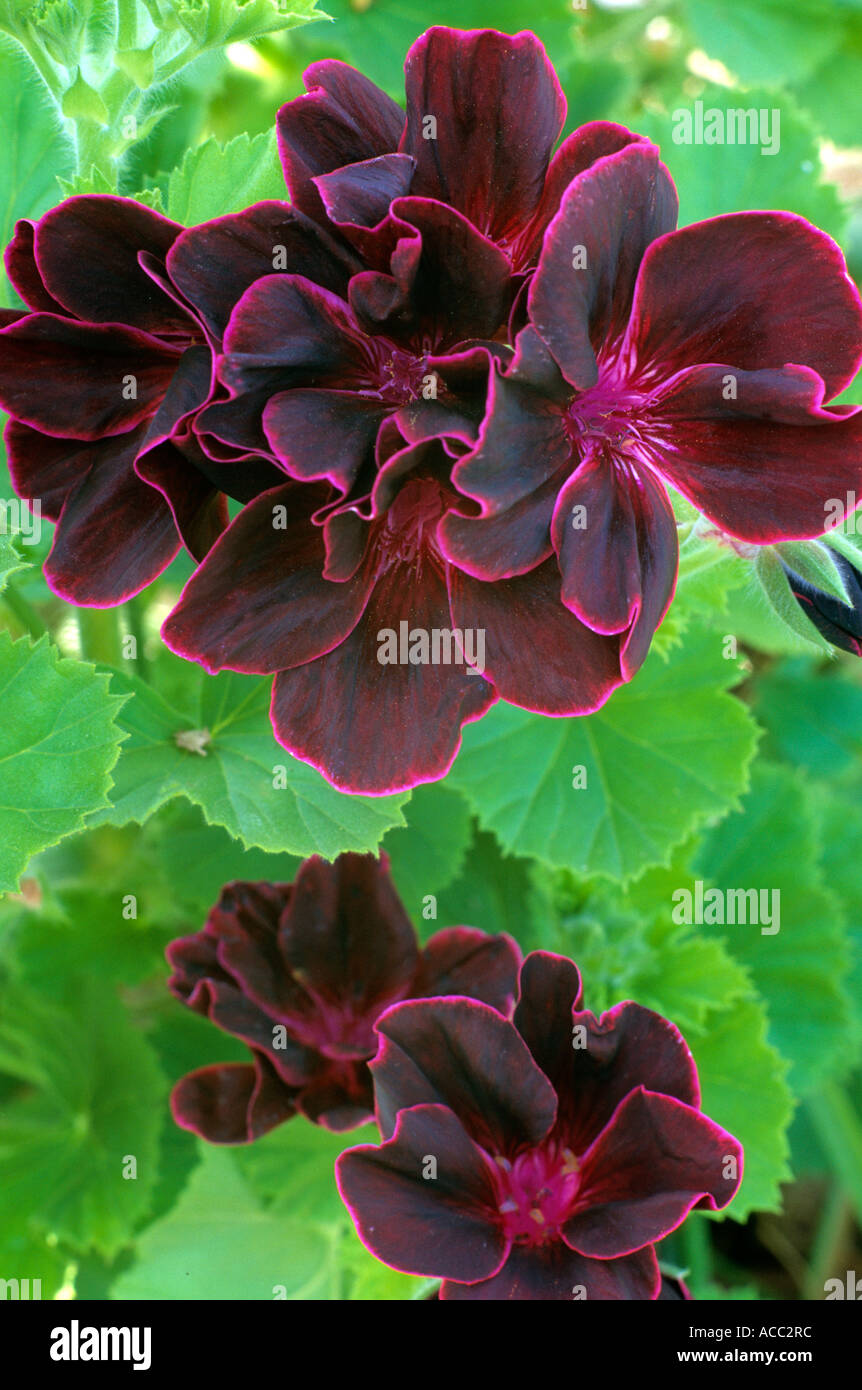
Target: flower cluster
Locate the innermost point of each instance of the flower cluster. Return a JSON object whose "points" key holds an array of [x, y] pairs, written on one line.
{"points": [[300, 973], [530, 1151], [540, 1158], [449, 382]]}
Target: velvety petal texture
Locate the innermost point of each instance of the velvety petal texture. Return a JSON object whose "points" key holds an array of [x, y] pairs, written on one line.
{"points": [[537, 1158], [300, 973]]}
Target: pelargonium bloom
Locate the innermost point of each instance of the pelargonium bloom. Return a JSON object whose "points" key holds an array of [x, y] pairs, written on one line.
{"points": [[301, 972], [540, 1158], [366, 396], [108, 365], [484, 111], [700, 358]]}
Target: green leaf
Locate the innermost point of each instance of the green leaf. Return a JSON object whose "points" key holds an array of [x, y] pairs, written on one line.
{"points": [[720, 178], [427, 854], [92, 1098], [664, 754], [215, 179], [40, 151], [232, 778], [767, 42], [801, 969], [59, 740], [744, 1090], [215, 23], [812, 721], [10, 561], [198, 859], [219, 1243], [494, 891], [294, 1168]]}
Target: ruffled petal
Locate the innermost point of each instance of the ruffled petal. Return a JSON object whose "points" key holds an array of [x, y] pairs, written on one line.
{"points": [[757, 289], [656, 1160], [619, 569], [581, 294], [259, 602], [770, 463], [554, 1272], [231, 1102], [498, 110], [464, 960], [465, 1055], [537, 654]]}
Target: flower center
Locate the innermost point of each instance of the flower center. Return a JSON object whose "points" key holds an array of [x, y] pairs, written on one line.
{"points": [[397, 376], [607, 415], [536, 1193], [409, 530]]}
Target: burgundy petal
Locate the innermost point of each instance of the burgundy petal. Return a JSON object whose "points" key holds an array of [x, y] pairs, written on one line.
{"points": [[656, 1160], [231, 1102], [577, 152], [286, 331], [538, 654], [87, 254], [619, 569], [259, 602], [422, 706], [498, 109], [346, 935], [214, 264], [757, 289], [448, 283], [93, 371], [464, 960], [765, 464], [465, 1055], [115, 534], [20, 261], [359, 195], [45, 468], [601, 1060], [296, 422], [339, 1101], [549, 989], [554, 1272], [582, 292], [442, 1225], [343, 119], [200, 513]]}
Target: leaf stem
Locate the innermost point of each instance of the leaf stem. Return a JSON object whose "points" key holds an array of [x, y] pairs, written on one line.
{"points": [[99, 633]]}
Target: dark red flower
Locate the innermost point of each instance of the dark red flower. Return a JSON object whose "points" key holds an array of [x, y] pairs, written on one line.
{"points": [[368, 400], [539, 1158], [484, 112], [301, 972], [109, 366], [701, 358]]}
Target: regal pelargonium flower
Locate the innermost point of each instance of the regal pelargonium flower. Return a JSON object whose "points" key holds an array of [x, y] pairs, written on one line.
{"points": [[368, 401], [301, 972], [700, 358], [105, 378], [484, 111], [540, 1158], [109, 364]]}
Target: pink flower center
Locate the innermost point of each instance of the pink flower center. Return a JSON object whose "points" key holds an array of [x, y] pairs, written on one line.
{"points": [[536, 1193], [608, 415], [396, 376]]}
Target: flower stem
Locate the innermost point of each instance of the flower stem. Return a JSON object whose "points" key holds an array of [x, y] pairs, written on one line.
{"points": [[698, 1252], [99, 632], [24, 612]]}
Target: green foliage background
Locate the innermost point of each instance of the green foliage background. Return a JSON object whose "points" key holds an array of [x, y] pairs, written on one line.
{"points": [[732, 762]]}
